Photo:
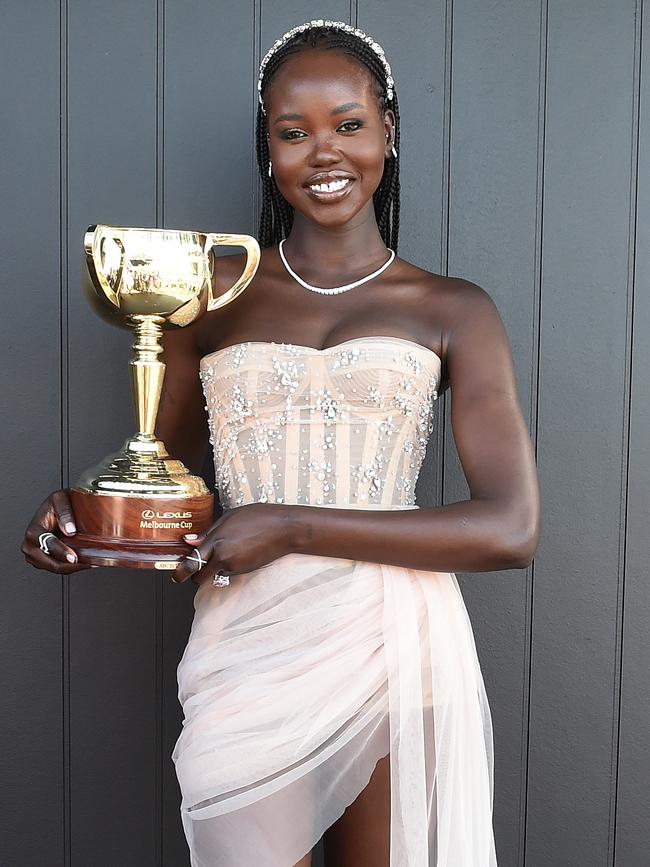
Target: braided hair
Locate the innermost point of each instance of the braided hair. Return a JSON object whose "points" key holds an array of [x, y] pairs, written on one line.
{"points": [[276, 216]]}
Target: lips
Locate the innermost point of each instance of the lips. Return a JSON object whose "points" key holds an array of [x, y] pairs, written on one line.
{"points": [[320, 177], [329, 186]]}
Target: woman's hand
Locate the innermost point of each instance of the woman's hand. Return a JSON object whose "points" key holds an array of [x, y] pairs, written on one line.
{"points": [[54, 513], [243, 539]]}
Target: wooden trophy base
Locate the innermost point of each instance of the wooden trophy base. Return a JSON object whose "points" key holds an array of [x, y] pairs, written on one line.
{"points": [[136, 532]]}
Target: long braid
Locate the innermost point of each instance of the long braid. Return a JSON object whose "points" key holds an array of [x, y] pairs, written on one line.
{"points": [[276, 216]]}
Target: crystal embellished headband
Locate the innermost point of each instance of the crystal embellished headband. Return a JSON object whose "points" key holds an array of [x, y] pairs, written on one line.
{"points": [[337, 25]]}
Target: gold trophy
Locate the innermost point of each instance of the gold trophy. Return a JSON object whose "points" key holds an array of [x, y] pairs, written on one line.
{"points": [[134, 507]]}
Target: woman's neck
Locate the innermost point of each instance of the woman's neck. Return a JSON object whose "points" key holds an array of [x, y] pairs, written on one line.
{"points": [[319, 253]]}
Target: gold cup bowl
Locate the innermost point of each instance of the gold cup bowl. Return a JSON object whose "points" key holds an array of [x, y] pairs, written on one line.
{"points": [[133, 508]]}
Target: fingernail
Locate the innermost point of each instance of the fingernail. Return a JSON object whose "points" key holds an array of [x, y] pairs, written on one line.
{"points": [[71, 558], [70, 528], [190, 536], [94, 566]]}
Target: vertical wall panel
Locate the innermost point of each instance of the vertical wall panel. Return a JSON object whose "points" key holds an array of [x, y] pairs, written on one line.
{"points": [[31, 763], [111, 179], [492, 233], [581, 413], [208, 116], [633, 801], [278, 16], [419, 75], [209, 125]]}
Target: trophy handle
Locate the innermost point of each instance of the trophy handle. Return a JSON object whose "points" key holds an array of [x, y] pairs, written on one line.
{"points": [[252, 248], [92, 243]]}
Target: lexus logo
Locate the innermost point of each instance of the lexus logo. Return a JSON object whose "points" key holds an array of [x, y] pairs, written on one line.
{"points": [[148, 514]]}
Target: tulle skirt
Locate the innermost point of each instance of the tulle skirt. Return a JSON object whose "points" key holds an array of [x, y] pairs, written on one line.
{"points": [[297, 679]]}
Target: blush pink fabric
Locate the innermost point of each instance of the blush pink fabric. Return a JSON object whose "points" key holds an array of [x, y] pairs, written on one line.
{"points": [[301, 675]]}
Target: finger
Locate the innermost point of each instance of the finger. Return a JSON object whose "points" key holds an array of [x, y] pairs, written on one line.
{"points": [[194, 564], [56, 546], [63, 512], [60, 551], [42, 561], [193, 539]]}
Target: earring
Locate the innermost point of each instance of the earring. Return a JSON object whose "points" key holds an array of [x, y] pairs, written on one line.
{"points": [[270, 167]]}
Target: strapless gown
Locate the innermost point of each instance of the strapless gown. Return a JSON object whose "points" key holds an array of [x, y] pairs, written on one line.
{"points": [[301, 675]]}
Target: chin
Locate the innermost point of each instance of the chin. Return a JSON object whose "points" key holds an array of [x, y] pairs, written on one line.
{"points": [[333, 216], [331, 221]]}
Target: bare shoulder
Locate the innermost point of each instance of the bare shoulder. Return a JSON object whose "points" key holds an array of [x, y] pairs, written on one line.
{"points": [[464, 305], [455, 296], [476, 348], [227, 268], [454, 309]]}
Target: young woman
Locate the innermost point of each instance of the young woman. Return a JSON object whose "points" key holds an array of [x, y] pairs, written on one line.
{"points": [[330, 683]]}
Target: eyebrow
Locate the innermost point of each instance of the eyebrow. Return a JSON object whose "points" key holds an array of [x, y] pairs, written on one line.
{"points": [[340, 109]]}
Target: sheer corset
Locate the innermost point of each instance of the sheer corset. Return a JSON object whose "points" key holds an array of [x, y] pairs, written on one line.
{"points": [[347, 425]]}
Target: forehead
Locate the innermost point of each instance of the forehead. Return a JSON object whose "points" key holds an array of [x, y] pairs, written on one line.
{"points": [[318, 73]]}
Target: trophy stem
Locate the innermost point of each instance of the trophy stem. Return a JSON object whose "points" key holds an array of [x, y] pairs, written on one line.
{"points": [[147, 373]]}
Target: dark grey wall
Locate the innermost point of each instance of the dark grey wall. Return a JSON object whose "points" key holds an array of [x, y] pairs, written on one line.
{"points": [[526, 146]]}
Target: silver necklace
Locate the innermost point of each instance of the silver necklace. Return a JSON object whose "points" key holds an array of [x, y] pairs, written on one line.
{"points": [[335, 290]]}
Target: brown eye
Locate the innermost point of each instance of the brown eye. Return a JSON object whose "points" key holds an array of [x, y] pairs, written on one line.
{"points": [[288, 135], [355, 124]]}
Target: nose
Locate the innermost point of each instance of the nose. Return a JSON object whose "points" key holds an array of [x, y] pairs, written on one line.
{"points": [[324, 152]]}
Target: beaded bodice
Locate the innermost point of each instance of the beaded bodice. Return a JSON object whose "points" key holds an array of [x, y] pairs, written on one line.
{"points": [[345, 426]]}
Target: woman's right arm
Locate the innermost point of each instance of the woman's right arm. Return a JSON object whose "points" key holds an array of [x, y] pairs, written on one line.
{"points": [[181, 424]]}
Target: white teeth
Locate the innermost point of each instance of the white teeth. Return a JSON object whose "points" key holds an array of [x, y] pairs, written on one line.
{"points": [[332, 187]]}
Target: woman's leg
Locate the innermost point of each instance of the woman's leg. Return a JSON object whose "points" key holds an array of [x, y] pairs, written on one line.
{"points": [[361, 837], [304, 862]]}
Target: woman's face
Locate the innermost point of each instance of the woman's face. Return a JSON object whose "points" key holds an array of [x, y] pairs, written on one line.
{"points": [[325, 127]]}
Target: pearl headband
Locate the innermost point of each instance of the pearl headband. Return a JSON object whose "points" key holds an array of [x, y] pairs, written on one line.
{"points": [[338, 25]]}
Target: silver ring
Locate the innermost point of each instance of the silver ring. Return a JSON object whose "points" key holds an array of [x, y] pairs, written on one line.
{"points": [[198, 558], [221, 579], [42, 542]]}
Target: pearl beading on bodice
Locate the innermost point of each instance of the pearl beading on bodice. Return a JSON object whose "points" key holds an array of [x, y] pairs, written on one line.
{"points": [[344, 426]]}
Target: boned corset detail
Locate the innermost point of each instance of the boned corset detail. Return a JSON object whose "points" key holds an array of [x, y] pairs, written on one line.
{"points": [[344, 426]]}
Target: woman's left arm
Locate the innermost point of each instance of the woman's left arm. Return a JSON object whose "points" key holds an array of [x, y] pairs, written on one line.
{"points": [[497, 528]]}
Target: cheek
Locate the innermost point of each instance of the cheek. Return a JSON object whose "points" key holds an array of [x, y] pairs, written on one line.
{"points": [[288, 162], [371, 166], [378, 162], [369, 157]]}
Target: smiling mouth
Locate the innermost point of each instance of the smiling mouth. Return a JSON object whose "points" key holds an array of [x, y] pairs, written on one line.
{"points": [[331, 191]]}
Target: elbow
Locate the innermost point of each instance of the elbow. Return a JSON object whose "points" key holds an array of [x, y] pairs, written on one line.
{"points": [[520, 557], [521, 544]]}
